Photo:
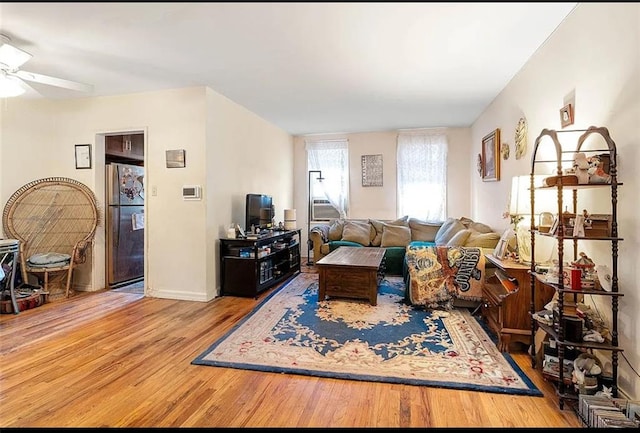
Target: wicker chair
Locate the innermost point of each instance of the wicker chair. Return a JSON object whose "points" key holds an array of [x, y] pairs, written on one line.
{"points": [[52, 216]]}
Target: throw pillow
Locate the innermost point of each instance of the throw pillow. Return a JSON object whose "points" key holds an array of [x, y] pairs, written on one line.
{"points": [[402, 221], [376, 232], [479, 227], [448, 229], [357, 231], [423, 230], [459, 238], [466, 221], [482, 240], [335, 230], [395, 236]]}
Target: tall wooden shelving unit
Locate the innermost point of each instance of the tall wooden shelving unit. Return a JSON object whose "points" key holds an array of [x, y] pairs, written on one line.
{"points": [[610, 346]]}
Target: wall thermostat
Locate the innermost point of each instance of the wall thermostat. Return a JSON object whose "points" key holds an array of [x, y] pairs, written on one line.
{"points": [[191, 192]]}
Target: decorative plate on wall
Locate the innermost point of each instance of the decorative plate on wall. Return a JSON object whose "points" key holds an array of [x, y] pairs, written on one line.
{"points": [[521, 138], [504, 151]]}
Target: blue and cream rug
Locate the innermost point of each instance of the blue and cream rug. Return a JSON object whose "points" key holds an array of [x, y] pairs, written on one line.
{"points": [[291, 332]]}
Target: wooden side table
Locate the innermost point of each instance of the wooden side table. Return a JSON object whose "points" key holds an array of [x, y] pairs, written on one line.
{"points": [[510, 319]]}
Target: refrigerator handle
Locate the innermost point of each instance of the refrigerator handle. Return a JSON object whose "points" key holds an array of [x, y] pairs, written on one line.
{"points": [[118, 229], [113, 184]]}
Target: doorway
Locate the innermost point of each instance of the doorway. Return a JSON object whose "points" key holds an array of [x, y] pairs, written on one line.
{"points": [[124, 211]]}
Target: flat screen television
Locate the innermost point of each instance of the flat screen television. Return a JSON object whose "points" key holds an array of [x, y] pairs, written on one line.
{"points": [[259, 211]]}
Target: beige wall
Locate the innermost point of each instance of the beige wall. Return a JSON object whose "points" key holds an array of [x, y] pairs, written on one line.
{"points": [[245, 154], [380, 202], [181, 236], [593, 60]]}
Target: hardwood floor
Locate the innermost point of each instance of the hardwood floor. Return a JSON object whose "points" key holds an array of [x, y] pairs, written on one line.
{"points": [[113, 359]]}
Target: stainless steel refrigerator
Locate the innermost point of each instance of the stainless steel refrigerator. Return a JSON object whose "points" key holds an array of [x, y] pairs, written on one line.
{"points": [[125, 224]]}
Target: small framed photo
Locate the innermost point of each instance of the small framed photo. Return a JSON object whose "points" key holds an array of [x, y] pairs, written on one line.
{"points": [[566, 115], [491, 156], [83, 156], [502, 247]]}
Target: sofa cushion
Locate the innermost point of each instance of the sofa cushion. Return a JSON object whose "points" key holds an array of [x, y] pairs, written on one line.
{"points": [[395, 236], [482, 240], [459, 238], [402, 221], [421, 244], [377, 232], [335, 230], [334, 245], [357, 231], [479, 227], [326, 248], [394, 260], [466, 222], [423, 230], [449, 228]]}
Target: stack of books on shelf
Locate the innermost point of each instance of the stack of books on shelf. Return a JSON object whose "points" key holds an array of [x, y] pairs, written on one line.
{"points": [[602, 411]]}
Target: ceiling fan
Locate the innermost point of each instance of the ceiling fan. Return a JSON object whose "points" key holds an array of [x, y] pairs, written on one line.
{"points": [[13, 80]]}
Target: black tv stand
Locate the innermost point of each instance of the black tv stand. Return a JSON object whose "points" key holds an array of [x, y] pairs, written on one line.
{"points": [[251, 266]]}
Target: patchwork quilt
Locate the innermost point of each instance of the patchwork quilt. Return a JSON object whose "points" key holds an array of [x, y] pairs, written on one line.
{"points": [[437, 275]]}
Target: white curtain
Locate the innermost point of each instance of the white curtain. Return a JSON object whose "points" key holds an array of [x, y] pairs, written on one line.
{"points": [[422, 175], [331, 157]]}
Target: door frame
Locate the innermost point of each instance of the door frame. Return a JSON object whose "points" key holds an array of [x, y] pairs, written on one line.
{"points": [[99, 265]]}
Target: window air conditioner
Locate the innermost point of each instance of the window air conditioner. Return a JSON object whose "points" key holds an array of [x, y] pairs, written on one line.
{"points": [[323, 210]]}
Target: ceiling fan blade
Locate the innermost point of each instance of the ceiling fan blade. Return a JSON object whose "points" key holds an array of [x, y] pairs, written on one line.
{"points": [[52, 81], [11, 56]]}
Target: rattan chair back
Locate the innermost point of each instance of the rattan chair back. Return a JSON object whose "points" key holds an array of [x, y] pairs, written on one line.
{"points": [[52, 215]]}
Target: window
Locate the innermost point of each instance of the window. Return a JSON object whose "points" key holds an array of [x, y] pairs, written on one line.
{"points": [[331, 158], [422, 175]]}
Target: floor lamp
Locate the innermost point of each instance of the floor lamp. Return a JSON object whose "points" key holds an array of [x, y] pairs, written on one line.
{"points": [[309, 242]]}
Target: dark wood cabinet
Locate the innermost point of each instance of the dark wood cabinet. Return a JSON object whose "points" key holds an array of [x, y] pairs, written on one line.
{"points": [[250, 266], [125, 146], [510, 318]]}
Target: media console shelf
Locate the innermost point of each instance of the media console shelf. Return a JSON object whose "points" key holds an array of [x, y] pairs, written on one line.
{"points": [[250, 266]]}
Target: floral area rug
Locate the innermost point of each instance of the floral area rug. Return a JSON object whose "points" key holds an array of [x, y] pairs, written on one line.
{"points": [[291, 332]]}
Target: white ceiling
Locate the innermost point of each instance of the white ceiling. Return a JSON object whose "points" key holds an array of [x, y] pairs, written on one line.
{"points": [[305, 67]]}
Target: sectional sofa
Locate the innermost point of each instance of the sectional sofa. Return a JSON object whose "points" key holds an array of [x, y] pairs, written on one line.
{"points": [[395, 236]]}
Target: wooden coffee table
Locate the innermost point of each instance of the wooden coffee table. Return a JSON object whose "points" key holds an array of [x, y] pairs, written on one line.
{"points": [[351, 272]]}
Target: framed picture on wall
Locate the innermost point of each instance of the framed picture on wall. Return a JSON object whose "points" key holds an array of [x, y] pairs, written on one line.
{"points": [[371, 170], [491, 156], [566, 116], [83, 156]]}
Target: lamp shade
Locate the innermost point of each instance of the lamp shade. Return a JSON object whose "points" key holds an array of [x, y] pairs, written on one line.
{"points": [[520, 199], [290, 219]]}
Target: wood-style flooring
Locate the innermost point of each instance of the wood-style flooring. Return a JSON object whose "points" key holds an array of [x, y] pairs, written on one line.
{"points": [[117, 359]]}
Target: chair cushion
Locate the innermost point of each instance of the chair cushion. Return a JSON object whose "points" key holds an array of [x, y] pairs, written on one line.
{"points": [[49, 260]]}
